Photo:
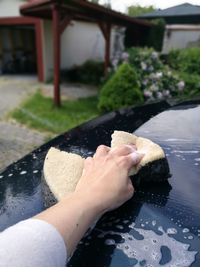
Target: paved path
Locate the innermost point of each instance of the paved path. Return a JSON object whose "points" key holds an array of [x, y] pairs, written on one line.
{"points": [[15, 140]]}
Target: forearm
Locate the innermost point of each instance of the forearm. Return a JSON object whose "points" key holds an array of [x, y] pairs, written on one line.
{"points": [[71, 217]]}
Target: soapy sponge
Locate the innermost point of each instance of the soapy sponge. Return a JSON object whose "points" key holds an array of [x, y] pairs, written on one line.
{"points": [[62, 170], [153, 166]]}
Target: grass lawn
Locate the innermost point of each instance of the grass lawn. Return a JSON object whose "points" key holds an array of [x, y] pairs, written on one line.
{"points": [[39, 113]]}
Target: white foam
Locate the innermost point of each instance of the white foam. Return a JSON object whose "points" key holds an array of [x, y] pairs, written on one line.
{"points": [[149, 248], [186, 151], [180, 256]]}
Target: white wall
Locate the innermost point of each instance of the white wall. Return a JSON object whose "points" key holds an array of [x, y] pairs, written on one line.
{"points": [[10, 8], [180, 36], [79, 42]]}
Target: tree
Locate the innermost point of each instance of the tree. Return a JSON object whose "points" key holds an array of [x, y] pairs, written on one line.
{"points": [[137, 10], [95, 1], [106, 4]]}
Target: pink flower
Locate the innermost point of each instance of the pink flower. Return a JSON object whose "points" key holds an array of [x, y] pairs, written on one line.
{"points": [[166, 93], [143, 65], [154, 55], [159, 95], [181, 86], [125, 56], [147, 93]]}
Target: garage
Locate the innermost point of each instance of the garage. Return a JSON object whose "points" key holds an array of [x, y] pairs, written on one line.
{"points": [[21, 48], [18, 49]]}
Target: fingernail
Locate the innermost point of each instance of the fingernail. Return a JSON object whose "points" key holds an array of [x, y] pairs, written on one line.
{"points": [[137, 157]]}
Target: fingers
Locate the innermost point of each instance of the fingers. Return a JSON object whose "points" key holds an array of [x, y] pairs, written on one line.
{"points": [[130, 160], [130, 189], [101, 151], [123, 150], [136, 157], [87, 164]]}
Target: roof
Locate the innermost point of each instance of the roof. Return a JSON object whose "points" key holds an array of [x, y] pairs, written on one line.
{"points": [[79, 10], [185, 9]]}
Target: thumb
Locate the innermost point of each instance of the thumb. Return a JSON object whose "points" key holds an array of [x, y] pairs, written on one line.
{"points": [[136, 157]]}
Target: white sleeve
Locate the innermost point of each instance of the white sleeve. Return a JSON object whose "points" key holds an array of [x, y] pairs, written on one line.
{"points": [[32, 243]]}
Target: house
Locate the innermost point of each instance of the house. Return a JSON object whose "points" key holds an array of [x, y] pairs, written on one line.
{"points": [[182, 26], [27, 42]]}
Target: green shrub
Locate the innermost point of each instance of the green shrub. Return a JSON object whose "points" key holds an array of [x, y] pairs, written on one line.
{"points": [[91, 72], [156, 34], [192, 84], [173, 58], [186, 60], [121, 90]]}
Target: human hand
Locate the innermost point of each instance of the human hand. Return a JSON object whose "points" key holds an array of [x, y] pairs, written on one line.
{"points": [[105, 181]]}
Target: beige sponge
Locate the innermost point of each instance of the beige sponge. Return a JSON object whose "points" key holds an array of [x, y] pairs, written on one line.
{"points": [[151, 150], [62, 172]]}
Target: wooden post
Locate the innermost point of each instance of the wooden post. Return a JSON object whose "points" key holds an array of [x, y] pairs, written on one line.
{"points": [[106, 31], [107, 52], [56, 48]]}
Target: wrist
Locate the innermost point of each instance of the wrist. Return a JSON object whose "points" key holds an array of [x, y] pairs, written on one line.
{"points": [[84, 203]]}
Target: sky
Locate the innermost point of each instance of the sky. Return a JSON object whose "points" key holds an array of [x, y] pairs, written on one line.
{"points": [[121, 5]]}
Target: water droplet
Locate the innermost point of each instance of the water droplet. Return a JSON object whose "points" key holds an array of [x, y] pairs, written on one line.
{"points": [[119, 227], [190, 237], [10, 174], [1, 176], [35, 171], [185, 230], [153, 223], [110, 242], [101, 236], [171, 231], [23, 172]]}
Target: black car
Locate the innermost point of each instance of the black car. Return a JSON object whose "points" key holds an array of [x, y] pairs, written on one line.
{"points": [[160, 225]]}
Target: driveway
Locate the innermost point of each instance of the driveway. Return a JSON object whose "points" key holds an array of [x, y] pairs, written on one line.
{"points": [[15, 140]]}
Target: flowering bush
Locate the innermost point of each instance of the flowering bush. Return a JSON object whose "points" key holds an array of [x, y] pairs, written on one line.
{"points": [[157, 80]]}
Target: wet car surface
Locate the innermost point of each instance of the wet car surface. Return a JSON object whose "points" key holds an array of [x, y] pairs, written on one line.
{"points": [[160, 226]]}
